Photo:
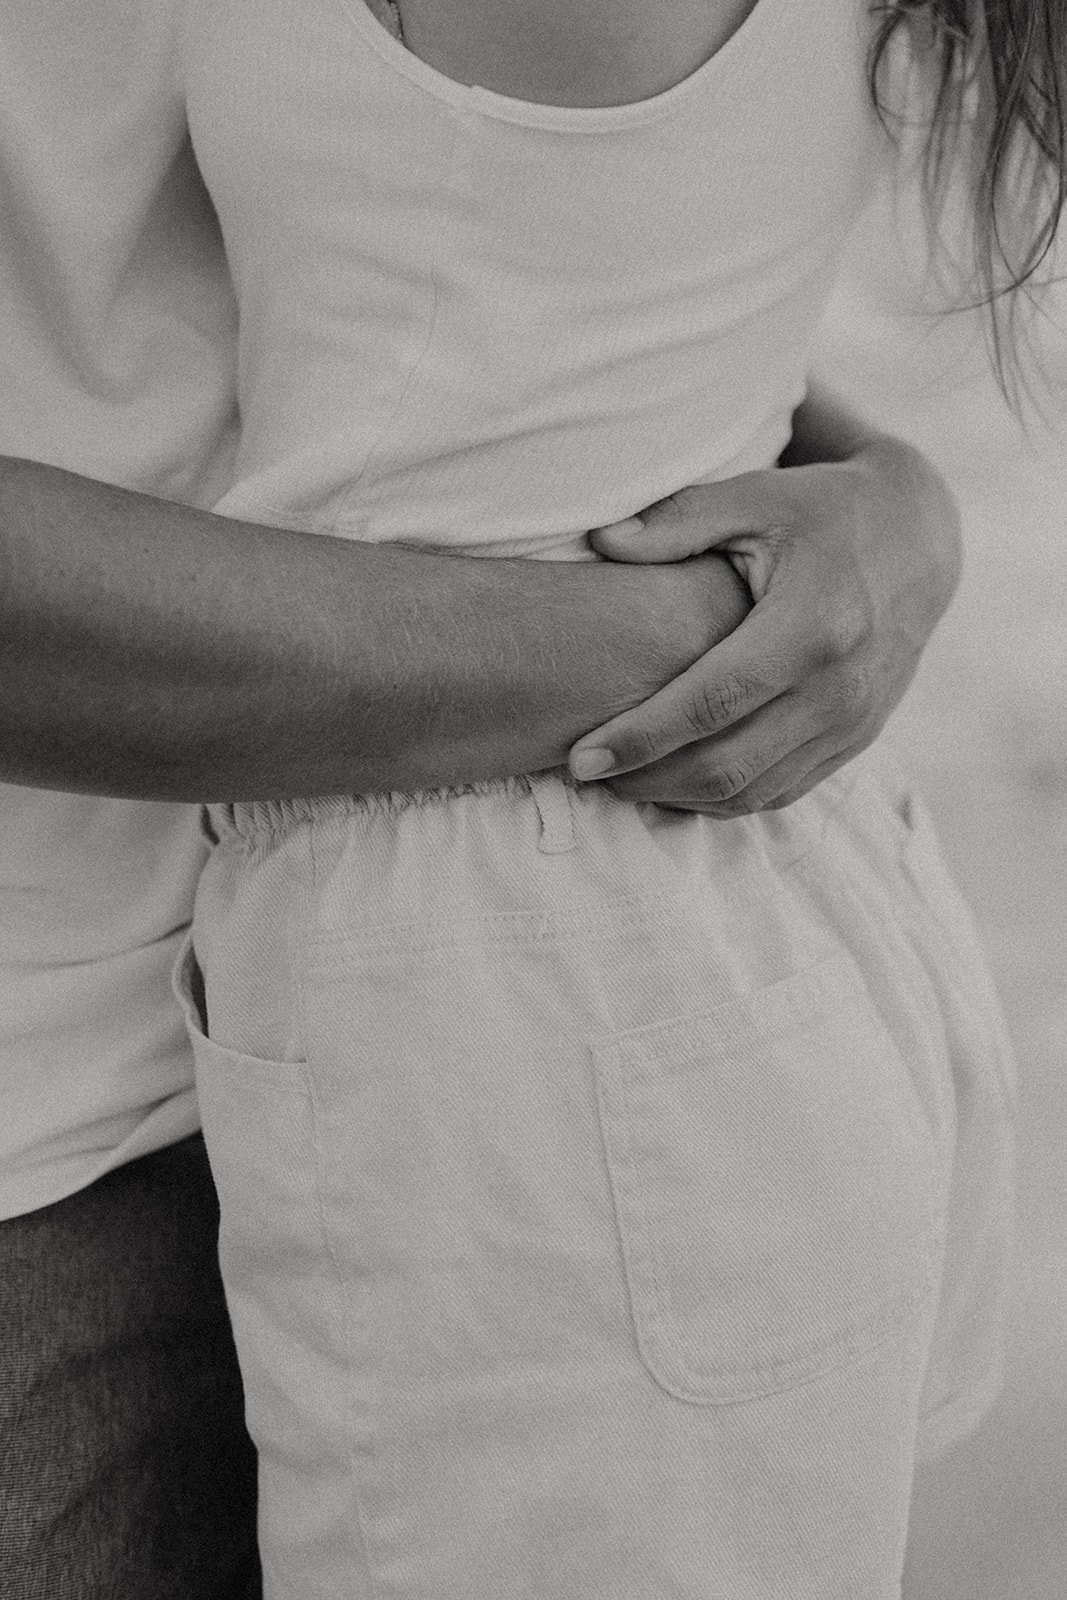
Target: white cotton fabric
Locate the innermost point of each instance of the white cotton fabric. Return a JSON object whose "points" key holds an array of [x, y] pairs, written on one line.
{"points": [[478, 324], [614, 1202], [116, 360]]}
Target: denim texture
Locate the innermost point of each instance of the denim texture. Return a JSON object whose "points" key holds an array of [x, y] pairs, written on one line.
{"points": [[126, 1472]]}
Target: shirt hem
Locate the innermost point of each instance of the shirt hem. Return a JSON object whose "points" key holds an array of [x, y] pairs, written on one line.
{"points": [[165, 1124]]}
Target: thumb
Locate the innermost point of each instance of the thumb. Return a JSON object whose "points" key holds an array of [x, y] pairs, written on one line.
{"points": [[697, 518], [742, 673]]}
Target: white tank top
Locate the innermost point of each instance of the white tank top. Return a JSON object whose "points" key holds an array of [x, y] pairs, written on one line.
{"points": [[474, 322]]}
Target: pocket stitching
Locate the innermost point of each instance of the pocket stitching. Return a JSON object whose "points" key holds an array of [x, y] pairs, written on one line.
{"points": [[287, 1077], [665, 1353]]}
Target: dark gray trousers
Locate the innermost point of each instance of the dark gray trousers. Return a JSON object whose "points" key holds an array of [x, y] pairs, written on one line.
{"points": [[125, 1469]]}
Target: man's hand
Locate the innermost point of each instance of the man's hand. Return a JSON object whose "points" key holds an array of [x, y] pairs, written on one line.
{"points": [[851, 564]]}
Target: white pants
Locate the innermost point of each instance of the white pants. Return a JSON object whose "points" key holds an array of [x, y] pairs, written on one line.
{"points": [[614, 1201]]}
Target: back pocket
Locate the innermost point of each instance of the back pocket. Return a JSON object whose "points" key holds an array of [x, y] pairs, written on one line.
{"points": [[775, 1185]]}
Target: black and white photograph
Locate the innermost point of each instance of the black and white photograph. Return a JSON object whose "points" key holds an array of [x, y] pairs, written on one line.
{"points": [[533, 800]]}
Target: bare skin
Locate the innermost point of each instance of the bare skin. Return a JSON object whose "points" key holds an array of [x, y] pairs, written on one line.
{"points": [[152, 651], [149, 650], [578, 52], [851, 554], [829, 650]]}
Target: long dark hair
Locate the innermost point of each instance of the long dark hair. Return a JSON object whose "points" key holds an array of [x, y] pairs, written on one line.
{"points": [[996, 79]]}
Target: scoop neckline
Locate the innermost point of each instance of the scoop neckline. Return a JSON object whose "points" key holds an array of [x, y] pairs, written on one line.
{"points": [[569, 119]]}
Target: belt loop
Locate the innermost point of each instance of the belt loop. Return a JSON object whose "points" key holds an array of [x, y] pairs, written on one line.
{"points": [[552, 798]]}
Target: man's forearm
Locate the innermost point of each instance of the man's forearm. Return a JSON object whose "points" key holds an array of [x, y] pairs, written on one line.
{"points": [[151, 650]]}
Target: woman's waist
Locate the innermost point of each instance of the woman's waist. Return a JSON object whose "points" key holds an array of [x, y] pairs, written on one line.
{"points": [[537, 858], [534, 499]]}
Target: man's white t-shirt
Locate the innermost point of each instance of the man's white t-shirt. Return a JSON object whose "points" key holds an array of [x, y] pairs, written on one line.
{"points": [[116, 360]]}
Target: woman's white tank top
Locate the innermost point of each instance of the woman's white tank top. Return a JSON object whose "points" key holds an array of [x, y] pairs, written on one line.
{"points": [[478, 323]]}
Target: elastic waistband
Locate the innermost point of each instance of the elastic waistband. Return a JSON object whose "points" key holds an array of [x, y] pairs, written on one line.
{"points": [[261, 822]]}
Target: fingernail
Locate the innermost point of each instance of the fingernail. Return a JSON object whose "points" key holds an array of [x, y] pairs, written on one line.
{"points": [[591, 763]]}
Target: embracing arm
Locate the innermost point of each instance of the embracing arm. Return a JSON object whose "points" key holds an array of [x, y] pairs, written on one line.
{"points": [[153, 651], [851, 550]]}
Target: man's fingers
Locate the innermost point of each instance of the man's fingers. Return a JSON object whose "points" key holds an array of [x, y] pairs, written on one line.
{"points": [[780, 736], [680, 784], [696, 519], [787, 781], [733, 680], [796, 790]]}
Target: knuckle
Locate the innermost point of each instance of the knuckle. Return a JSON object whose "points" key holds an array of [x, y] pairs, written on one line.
{"points": [[637, 748], [850, 695], [714, 705], [846, 630], [723, 783]]}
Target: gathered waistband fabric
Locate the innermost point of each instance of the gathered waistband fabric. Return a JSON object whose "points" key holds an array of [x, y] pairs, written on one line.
{"points": [[253, 820], [259, 822]]}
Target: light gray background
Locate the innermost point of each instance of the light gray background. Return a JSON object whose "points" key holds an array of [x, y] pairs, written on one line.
{"points": [[985, 731]]}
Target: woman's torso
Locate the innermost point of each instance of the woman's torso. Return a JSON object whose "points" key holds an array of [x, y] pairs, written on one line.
{"points": [[484, 322]]}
